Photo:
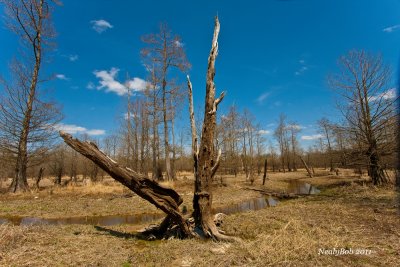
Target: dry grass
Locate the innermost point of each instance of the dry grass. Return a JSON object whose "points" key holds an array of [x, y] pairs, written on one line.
{"points": [[106, 198], [289, 234]]}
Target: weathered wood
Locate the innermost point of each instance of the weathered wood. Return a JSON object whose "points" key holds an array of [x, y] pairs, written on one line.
{"points": [[265, 171], [205, 165], [39, 177], [310, 172], [166, 199]]}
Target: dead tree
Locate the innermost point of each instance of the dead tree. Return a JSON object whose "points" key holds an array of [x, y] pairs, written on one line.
{"points": [[265, 171], [205, 162], [310, 171], [39, 177], [164, 198]]}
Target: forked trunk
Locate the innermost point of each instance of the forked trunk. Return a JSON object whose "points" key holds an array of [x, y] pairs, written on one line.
{"points": [[204, 163]]}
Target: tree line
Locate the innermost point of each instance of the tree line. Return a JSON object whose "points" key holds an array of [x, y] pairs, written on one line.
{"points": [[147, 141]]}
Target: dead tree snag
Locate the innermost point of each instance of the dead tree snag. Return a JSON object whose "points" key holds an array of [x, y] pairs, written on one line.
{"points": [[205, 166], [205, 162], [310, 172]]}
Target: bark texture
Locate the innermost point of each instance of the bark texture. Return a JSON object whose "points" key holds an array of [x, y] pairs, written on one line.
{"points": [[163, 198]]}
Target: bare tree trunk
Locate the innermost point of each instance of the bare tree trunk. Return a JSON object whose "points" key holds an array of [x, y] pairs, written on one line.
{"points": [[20, 182], [310, 172], [173, 177], [265, 171], [205, 165], [39, 178], [378, 176]]}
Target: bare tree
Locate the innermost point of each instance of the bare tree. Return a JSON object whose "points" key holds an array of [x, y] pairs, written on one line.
{"points": [[293, 129], [368, 106], [230, 131], [57, 164], [26, 119], [152, 107], [279, 134], [326, 129], [164, 52]]}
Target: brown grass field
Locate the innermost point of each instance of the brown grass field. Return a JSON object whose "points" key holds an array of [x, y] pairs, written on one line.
{"points": [[346, 214]]}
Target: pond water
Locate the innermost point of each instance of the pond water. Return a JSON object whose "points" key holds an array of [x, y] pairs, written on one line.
{"points": [[301, 188], [252, 204]]}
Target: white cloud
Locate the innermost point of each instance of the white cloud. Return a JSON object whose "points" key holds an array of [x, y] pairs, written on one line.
{"points": [[61, 77], [137, 84], [73, 58], [262, 97], [108, 82], [178, 43], [74, 129], [311, 137], [90, 85], [101, 25], [264, 132], [95, 132], [389, 94], [392, 28]]}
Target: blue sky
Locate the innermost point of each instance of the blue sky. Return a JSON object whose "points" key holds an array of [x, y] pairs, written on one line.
{"points": [[274, 55]]}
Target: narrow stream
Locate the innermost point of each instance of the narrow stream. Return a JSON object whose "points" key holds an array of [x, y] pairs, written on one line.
{"points": [[252, 204], [301, 188], [294, 186]]}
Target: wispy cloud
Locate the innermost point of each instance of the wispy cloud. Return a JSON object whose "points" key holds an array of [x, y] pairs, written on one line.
{"points": [[90, 85], [262, 97], [303, 67], [295, 126], [75, 129], [73, 58], [311, 137], [264, 132], [101, 25], [110, 84], [392, 28], [61, 77], [389, 94]]}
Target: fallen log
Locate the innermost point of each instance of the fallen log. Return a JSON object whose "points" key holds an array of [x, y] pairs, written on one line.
{"points": [[310, 172], [166, 199]]}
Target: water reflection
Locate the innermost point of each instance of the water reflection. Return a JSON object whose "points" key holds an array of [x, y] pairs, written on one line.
{"points": [[252, 204], [302, 188]]}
